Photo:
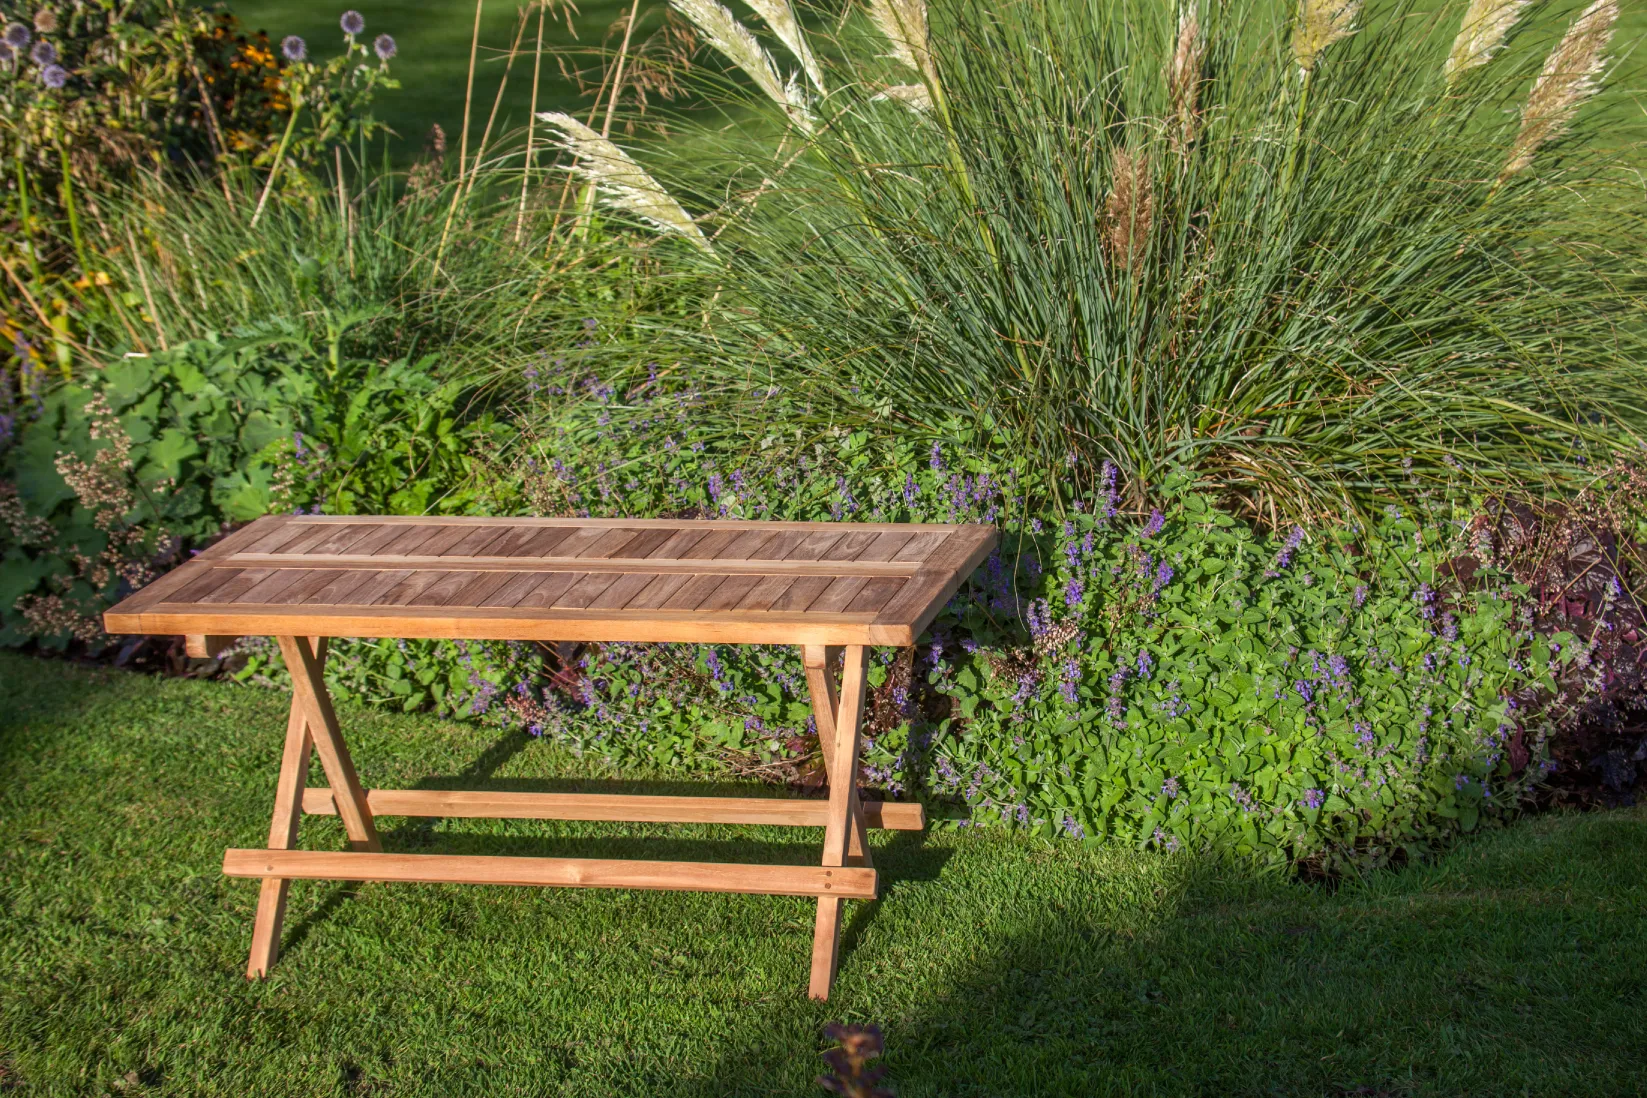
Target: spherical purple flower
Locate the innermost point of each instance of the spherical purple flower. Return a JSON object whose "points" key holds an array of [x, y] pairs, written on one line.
{"points": [[385, 47], [294, 48], [352, 22], [54, 76], [43, 53], [17, 36]]}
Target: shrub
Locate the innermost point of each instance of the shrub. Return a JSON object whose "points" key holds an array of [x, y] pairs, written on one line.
{"points": [[1305, 251], [114, 477], [1339, 697]]}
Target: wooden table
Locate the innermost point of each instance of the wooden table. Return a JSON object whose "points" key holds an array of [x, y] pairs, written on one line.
{"points": [[830, 588]]}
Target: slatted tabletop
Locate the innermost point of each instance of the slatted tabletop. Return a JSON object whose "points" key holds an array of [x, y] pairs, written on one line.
{"points": [[564, 579]]}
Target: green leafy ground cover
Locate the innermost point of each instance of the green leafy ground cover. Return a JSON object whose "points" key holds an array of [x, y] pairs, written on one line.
{"points": [[999, 964]]}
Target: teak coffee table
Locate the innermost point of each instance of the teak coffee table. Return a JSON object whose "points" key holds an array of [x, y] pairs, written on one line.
{"points": [[830, 588]]}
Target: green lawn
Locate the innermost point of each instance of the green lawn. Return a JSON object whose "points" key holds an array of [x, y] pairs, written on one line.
{"points": [[998, 965], [433, 63]]}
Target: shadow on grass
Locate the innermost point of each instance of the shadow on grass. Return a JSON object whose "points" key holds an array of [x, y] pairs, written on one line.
{"points": [[905, 858], [1513, 966]]}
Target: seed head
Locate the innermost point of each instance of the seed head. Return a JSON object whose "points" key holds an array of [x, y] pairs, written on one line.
{"points": [[1129, 209], [1486, 23], [1184, 77], [1320, 24], [1570, 77]]}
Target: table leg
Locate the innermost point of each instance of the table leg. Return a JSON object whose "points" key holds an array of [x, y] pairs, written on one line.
{"points": [[845, 819], [288, 812], [309, 692], [821, 663]]}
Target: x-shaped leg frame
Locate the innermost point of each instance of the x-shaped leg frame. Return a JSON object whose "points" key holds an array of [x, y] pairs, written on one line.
{"points": [[839, 718], [312, 723]]}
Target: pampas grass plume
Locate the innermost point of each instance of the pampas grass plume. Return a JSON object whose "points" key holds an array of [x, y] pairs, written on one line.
{"points": [[621, 182], [904, 24], [1320, 24], [1184, 77], [739, 45], [1129, 209], [780, 16], [1486, 24], [1570, 76]]}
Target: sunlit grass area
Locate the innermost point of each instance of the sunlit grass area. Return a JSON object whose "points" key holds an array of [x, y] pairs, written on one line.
{"points": [[997, 965]]}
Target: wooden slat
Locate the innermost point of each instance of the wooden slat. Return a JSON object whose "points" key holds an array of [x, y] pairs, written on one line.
{"points": [[710, 546], [729, 592], [658, 592], [725, 566], [271, 587], [851, 545], [847, 882], [480, 587], [514, 623], [343, 588], [404, 539], [874, 595], [544, 594], [205, 581], [609, 544], [800, 594], [838, 595], [443, 539], [693, 592], [513, 590], [919, 547], [586, 590], [477, 542], [343, 538], [369, 593], [614, 807], [621, 593], [926, 592], [441, 591], [637, 523], [647, 542], [528, 541], [884, 547], [272, 533], [242, 582], [816, 544], [579, 540], [405, 592], [678, 542]]}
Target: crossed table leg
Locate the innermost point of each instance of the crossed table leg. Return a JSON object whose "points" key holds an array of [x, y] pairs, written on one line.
{"points": [[846, 871]]}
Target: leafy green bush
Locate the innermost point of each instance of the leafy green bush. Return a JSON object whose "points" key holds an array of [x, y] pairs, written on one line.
{"points": [[1339, 697], [158, 452]]}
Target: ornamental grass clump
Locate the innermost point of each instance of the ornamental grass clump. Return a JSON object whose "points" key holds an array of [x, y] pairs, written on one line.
{"points": [[1290, 247]]}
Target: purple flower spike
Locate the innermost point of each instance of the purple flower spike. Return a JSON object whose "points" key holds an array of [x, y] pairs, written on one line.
{"points": [[294, 48], [352, 22], [1156, 521], [54, 76], [1314, 798], [385, 47], [43, 53]]}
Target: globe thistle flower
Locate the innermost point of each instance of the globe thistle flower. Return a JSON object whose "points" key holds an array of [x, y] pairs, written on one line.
{"points": [[43, 53], [352, 22], [17, 36], [54, 76], [385, 47], [45, 21], [294, 48]]}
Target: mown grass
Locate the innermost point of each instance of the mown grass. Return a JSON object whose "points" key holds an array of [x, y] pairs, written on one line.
{"points": [[433, 62], [997, 965]]}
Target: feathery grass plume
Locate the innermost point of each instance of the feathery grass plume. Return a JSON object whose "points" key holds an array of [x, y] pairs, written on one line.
{"points": [[1568, 79], [780, 16], [1486, 24], [739, 45], [1129, 209], [914, 96], [624, 184], [1320, 24], [1184, 77], [904, 24]]}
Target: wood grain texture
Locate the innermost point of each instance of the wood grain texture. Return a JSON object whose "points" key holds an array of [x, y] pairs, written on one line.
{"points": [[614, 807], [849, 882], [564, 580]]}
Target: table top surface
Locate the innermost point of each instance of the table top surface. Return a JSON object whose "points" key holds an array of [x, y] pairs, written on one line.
{"points": [[564, 579]]}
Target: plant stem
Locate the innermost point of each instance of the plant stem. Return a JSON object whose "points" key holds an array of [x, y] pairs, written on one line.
{"points": [[497, 100], [587, 205], [463, 143], [531, 121], [279, 157], [23, 211], [74, 217]]}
